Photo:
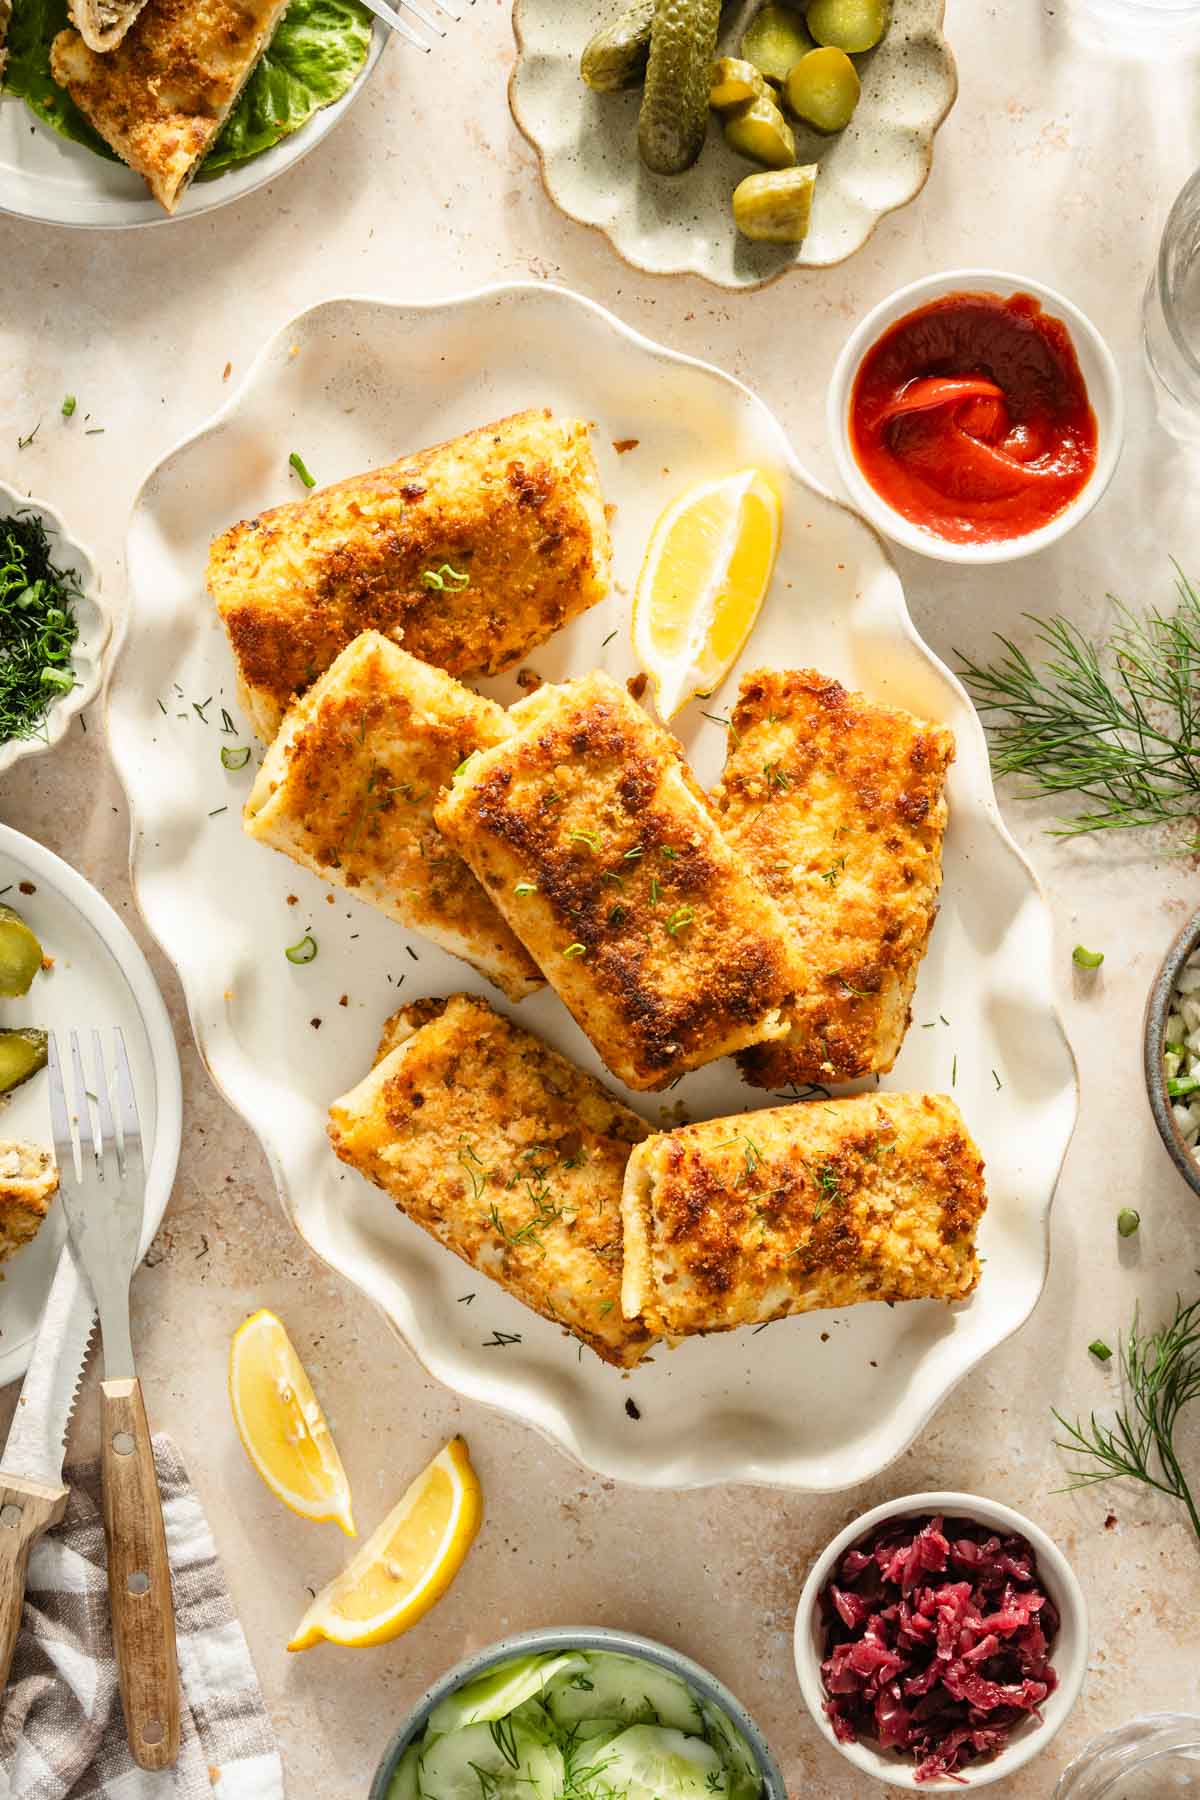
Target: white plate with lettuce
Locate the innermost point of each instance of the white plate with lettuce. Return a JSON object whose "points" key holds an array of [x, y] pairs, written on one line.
{"points": [[54, 167]]}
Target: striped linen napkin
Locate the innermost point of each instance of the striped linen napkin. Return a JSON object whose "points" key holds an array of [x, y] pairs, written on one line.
{"points": [[62, 1730]]}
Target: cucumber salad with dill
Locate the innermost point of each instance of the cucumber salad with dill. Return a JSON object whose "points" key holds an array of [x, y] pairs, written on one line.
{"points": [[580, 1725], [38, 628]]}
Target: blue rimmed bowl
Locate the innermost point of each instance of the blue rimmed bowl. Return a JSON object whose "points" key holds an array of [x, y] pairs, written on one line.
{"points": [[555, 1639]]}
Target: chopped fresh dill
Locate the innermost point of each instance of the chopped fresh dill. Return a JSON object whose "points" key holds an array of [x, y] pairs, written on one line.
{"points": [[525, 887], [23, 443], [499, 1339], [730, 727], [608, 640], [833, 874], [38, 627], [591, 839], [682, 917], [632, 855], [475, 1170], [298, 463], [655, 890]]}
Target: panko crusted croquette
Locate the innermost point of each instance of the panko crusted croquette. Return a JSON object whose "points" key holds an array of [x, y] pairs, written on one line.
{"points": [[347, 789], [837, 806], [507, 1154], [586, 828], [471, 554], [797, 1208]]}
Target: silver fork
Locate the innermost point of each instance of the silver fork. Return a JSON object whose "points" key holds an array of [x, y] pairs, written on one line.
{"points": [[390, 17], [102, 1180]]}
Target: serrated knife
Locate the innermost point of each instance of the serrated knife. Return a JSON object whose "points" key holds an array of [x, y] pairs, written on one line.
{"points": [[32, 1495]]}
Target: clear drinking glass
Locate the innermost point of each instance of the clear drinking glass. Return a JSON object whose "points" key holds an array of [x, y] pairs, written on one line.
{"points": [[1171, 317], [1155, 1757]]}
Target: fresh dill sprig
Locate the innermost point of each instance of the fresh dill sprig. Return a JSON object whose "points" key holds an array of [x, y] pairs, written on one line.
{"points": [[38, 627], [1116, 726], [1161, 1377]]}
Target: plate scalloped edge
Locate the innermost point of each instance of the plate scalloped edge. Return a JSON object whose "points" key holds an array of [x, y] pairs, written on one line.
{"points": [[890, 628], [730, 261]]}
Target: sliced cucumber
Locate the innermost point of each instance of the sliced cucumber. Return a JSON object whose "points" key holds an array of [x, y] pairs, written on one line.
{"points": [[20, 953], [502, 1690], [745, 1782], [480, 1759], [648, 1762], [23, 1051], [403, 1785], [625, 1688]]}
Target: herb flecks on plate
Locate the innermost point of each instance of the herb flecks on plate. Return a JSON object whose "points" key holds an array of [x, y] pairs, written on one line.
{"points": [[1115, 727], [38, 627]]}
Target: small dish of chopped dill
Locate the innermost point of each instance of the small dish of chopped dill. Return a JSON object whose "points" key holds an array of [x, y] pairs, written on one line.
{"points": [[52, 629]]}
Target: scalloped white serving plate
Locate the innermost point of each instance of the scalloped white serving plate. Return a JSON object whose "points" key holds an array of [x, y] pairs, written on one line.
{"points": [[815, 1402], [49, 178], [99, 978], [681, 224], [92, 616]]}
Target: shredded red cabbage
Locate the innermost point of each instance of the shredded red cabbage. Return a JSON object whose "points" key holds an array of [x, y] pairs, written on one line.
{"points": [[937, 1642]]}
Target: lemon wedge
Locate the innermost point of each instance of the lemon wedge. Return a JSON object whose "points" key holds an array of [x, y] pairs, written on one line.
{"points": [[280, 1422], [407, 1564], [707, 568]]}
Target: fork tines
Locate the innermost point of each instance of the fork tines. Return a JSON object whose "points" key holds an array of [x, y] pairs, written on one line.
{"points": [[86, 1140]]}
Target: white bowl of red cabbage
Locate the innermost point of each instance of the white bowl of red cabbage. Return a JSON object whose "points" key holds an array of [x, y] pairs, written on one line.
{"points": [[586, 1713], [54, 630], [941, 1640]]}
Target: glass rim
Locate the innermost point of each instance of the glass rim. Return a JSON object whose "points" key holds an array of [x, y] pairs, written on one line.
{"points": [[1169, 312], [1157, 1734]]}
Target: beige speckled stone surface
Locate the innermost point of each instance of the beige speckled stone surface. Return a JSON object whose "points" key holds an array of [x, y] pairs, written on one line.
{"points": [[1055, 162]]}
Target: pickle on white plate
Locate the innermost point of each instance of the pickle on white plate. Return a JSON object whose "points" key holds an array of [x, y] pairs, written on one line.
{"points": [[850, 25], [823, 89], [760, 131], [774, 207]]}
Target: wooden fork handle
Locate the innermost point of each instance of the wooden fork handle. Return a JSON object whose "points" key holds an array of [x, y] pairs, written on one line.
{"points": [[27, 1508], [139, 1579]]}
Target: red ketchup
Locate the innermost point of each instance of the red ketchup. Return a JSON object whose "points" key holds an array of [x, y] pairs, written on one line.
{"points": [[970, 417]]}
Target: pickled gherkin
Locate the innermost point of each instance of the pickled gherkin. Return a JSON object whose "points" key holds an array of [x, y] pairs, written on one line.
{"points": [[22, 1054], [759, 130], [616, 57], [734, 81], [774, 40], [849, 25], [20, 954], [823, 89], [773, 207], [674, 115]]}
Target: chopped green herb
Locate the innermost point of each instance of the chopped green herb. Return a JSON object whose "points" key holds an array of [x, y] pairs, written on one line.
{"points": [[1180, 1086], [589, 838], [730, 727], [575, 950], [37, 627], [832, 875], [1086, 959], [499, 1339], [632, 855], [1128, 1220], [1100, 1350], [303, 952], [23, 443], [608, 640], [525, 887], [682, 917], [462, 765], [475, 1170], [655, 890], [445, 577], [298, 463], [68, 405], [235, 757], [997, 1080]]}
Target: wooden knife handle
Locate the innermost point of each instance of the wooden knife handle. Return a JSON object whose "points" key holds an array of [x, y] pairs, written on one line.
{"points": [[139, 1579], [27, 1508]]}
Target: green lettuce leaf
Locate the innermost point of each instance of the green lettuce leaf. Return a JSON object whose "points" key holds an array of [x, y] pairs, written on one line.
{"points": [[33, 28], [315, 56]]}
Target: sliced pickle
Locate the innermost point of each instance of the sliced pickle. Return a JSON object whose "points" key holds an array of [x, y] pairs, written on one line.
{"points": [[22, 1054], [759, 130], [734, 81], [20, 954], [823, 89], [774, 39], [774, 206], [849, 25]]}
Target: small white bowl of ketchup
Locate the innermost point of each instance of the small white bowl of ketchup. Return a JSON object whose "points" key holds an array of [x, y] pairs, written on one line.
{"points": [[975, 416]]}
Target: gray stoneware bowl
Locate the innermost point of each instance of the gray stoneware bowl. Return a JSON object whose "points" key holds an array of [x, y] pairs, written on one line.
{"points": [[558, 1638], [1157, 1007]]}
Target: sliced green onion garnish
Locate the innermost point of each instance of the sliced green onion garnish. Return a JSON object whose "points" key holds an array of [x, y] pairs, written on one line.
{"points": [[1086, 959], [61, 680], [1180, 1086], [68, 405], [446, 577], [298, 463], [575, 950], [1100, 1350], [235, 756], [303, 952], [683, 915], [1128, 1220], [525, 887]]}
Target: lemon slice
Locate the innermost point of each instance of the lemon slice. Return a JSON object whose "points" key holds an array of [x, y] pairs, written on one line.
{"points": [[407, 1564], [280, 1422], [706, 571]]}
